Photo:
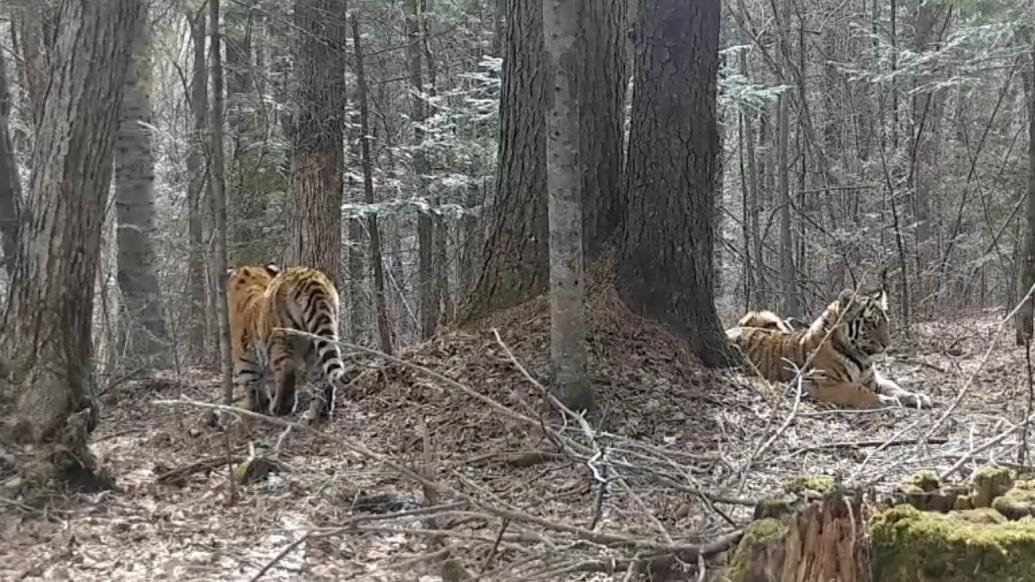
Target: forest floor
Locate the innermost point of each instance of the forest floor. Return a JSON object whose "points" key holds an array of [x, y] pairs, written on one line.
{"points": [[683, 452]]}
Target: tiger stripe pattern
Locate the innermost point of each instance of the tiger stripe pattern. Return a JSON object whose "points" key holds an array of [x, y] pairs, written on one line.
{"points": [[265, 301], [844, 344]]}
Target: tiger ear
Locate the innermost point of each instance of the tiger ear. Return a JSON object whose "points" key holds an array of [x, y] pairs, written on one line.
{"points": [[273, 269], [229, 271], [845, 297]]}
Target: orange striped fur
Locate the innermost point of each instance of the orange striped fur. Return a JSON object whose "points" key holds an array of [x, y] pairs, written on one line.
{"points": [[844, 342]]}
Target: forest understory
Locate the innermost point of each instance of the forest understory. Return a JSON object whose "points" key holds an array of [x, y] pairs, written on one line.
{"points": [[680, 457]]}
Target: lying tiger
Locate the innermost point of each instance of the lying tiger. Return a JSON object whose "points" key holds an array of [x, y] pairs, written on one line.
{"points": [[262, 299], [842, 370]]}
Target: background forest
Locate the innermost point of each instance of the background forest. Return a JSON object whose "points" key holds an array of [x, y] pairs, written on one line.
{"points": [[696, 159]]}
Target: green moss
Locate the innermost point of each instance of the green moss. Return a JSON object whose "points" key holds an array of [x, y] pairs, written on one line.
{"points": [[798, 485], [762, 536], [909, 545], [1018, 502], [989, 483], [925, 480]]}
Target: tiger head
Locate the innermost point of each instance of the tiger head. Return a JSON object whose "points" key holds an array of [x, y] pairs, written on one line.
{"points": [[250, 278], [864, 320]]}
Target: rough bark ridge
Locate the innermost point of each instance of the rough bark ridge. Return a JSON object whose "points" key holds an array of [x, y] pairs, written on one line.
{"points": [[601, 86], [515, 261], [10, 183], [317, 161], [196, 168], [46, 344], [665, 268], [145, 329]]}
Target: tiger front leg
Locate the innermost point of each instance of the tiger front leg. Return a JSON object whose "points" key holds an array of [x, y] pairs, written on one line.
{"points": [[844, 394], [888, 388]]}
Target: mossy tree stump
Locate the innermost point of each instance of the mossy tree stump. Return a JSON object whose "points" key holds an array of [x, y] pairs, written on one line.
{"points": [[814, 540]]}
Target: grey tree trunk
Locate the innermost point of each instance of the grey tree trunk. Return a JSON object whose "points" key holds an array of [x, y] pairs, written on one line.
{"points": [[514, 259], [788, 274], [217, 201], [1023, 322], [428, 289], [144, 325], [196, 168], [564, 188], [665, 267], [602, 87], [317, 159], [46, 384], [384, 330], [10, 182]]}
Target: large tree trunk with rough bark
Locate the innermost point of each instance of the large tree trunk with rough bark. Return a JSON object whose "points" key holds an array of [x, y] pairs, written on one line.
{"points": [[46, 380], [145, 331], [515, 262], [602, 86], [564, 189], [665, 269], [317, 161], [196, 328], [10, 183]]}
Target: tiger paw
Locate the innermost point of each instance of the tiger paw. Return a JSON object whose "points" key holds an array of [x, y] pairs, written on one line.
{"points": [[915, 400], [887, 400]]}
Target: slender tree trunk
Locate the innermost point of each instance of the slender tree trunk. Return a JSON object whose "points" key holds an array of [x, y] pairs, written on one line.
{"points": [[46, 380], [665, 269], [564, 187], [1024, 317], [10, 182], [514, 260], [788, 274], [217, 200], [317, 160], [601, 85], [384, 330], [429, 305], [144, 323], [197, 170], [760, 291]]}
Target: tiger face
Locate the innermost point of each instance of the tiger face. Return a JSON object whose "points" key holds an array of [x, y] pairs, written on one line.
{"points": [[864, 320]]}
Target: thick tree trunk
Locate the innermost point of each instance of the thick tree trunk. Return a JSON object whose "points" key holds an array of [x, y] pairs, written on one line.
{"points": [[601, 86], [144, 324], [196, 329], [46, 348], [1024, 317], [665, 268], [384, 330], [10, 182], [36, 28], [317, 161], [514, 260], [564, 188]]}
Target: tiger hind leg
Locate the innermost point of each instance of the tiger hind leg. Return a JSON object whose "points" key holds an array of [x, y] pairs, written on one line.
{"points": [[284, 362], [248, 378]]}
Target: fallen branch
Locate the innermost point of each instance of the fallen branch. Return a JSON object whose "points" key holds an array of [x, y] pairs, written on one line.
{"points": [[867, 443]]}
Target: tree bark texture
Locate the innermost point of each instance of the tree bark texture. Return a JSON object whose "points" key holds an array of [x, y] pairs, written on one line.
{"points": [[515, 261], [665, 268], [1027, 260], [144, 324], [601, 87], [564, 187], [788, 274], [317, 160], [36, 32], [217, 201], [46, 345], [427, 288], [384, 329], [10, 182], [196, 168]]}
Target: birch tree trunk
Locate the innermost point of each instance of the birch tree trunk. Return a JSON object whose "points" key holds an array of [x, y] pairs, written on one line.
{"points": [[514, 259], [665, 269], [143, 321], [10, 182], [196, 319], [317, 159], [46, 370]]}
